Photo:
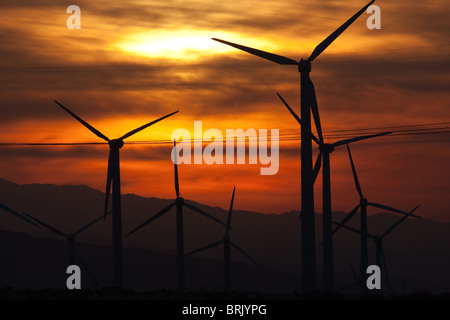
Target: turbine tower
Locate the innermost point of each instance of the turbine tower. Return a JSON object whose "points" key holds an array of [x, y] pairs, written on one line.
{"points": [[227, 244], [179, 203], [380, 258], [363, 204], [308, 103], [113, 177], [325, 150]]}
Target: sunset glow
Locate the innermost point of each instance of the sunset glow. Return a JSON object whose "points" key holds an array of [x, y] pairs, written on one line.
{"points": [[131, 63]]}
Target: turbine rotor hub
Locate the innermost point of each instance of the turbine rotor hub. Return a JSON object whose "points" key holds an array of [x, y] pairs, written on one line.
{"points": [[304, 66], [326, 148], [115, 144], [179, 201], [363, 202], [71, 238]]}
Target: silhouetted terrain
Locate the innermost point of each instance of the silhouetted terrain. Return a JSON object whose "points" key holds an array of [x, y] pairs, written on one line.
{"points": [[417, 251]]}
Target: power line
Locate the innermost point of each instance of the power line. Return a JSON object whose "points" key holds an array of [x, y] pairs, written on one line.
{"points": [[132, 68], [393, 127], [337, 134]]}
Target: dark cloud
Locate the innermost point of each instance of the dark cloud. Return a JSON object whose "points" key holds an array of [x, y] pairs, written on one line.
{"points": [[393, 76]]}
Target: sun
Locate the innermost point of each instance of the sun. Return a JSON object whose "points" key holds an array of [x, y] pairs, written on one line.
{"points": [[180, 44], [186, 45]]}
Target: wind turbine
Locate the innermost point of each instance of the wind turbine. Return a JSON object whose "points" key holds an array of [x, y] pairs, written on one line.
{"points": [[227, 244], [113, 177], [308, 103], [325, 150], [363, 204], [70, 237], [179, 203], [380, 258]]}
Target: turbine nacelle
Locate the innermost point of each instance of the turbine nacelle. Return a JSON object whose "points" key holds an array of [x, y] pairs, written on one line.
{"points": [[304, 66], [363, 202], [115, 143], [179, 201], [326, 148]]}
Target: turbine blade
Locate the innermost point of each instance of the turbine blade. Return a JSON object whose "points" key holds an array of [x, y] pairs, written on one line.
{"points": [[129, 134], [347, 141], [355, 176], [389, 230], [262, 54], [290, 109], [244, 253], [109, 176], [83, 264], [325, 43], [353, 229], [153, 218], [315, 109], [18, 215], [317, 166], [84, 123], [175, 168], [382, 206], [203, 213], [230, 212], [297, 118], [49, 227], [91, 223], [209, 246], [347, 218]]}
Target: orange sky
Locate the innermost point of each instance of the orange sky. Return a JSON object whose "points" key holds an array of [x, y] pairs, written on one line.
{"points": [[132, 62]]}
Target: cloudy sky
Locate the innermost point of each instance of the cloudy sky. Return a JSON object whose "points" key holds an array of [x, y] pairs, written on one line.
{"points": [[132, 62]]}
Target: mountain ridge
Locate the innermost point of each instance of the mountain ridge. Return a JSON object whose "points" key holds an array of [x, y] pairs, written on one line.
{"points": [[416, 251]]}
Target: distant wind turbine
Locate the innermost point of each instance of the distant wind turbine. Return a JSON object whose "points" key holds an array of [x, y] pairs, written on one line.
{"points": [[179, 203], [308, 103], [227, 244], [363, 204], [380, 258], [325, 150], [70, 238], [113, 177]]}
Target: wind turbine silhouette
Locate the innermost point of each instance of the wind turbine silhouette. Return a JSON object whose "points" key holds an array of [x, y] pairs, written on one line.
{"points": [[363, 204], [380, 258], [227, 244], [113, 177], [308, 103], [179, 203], [70, 237], [325, 149]]}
